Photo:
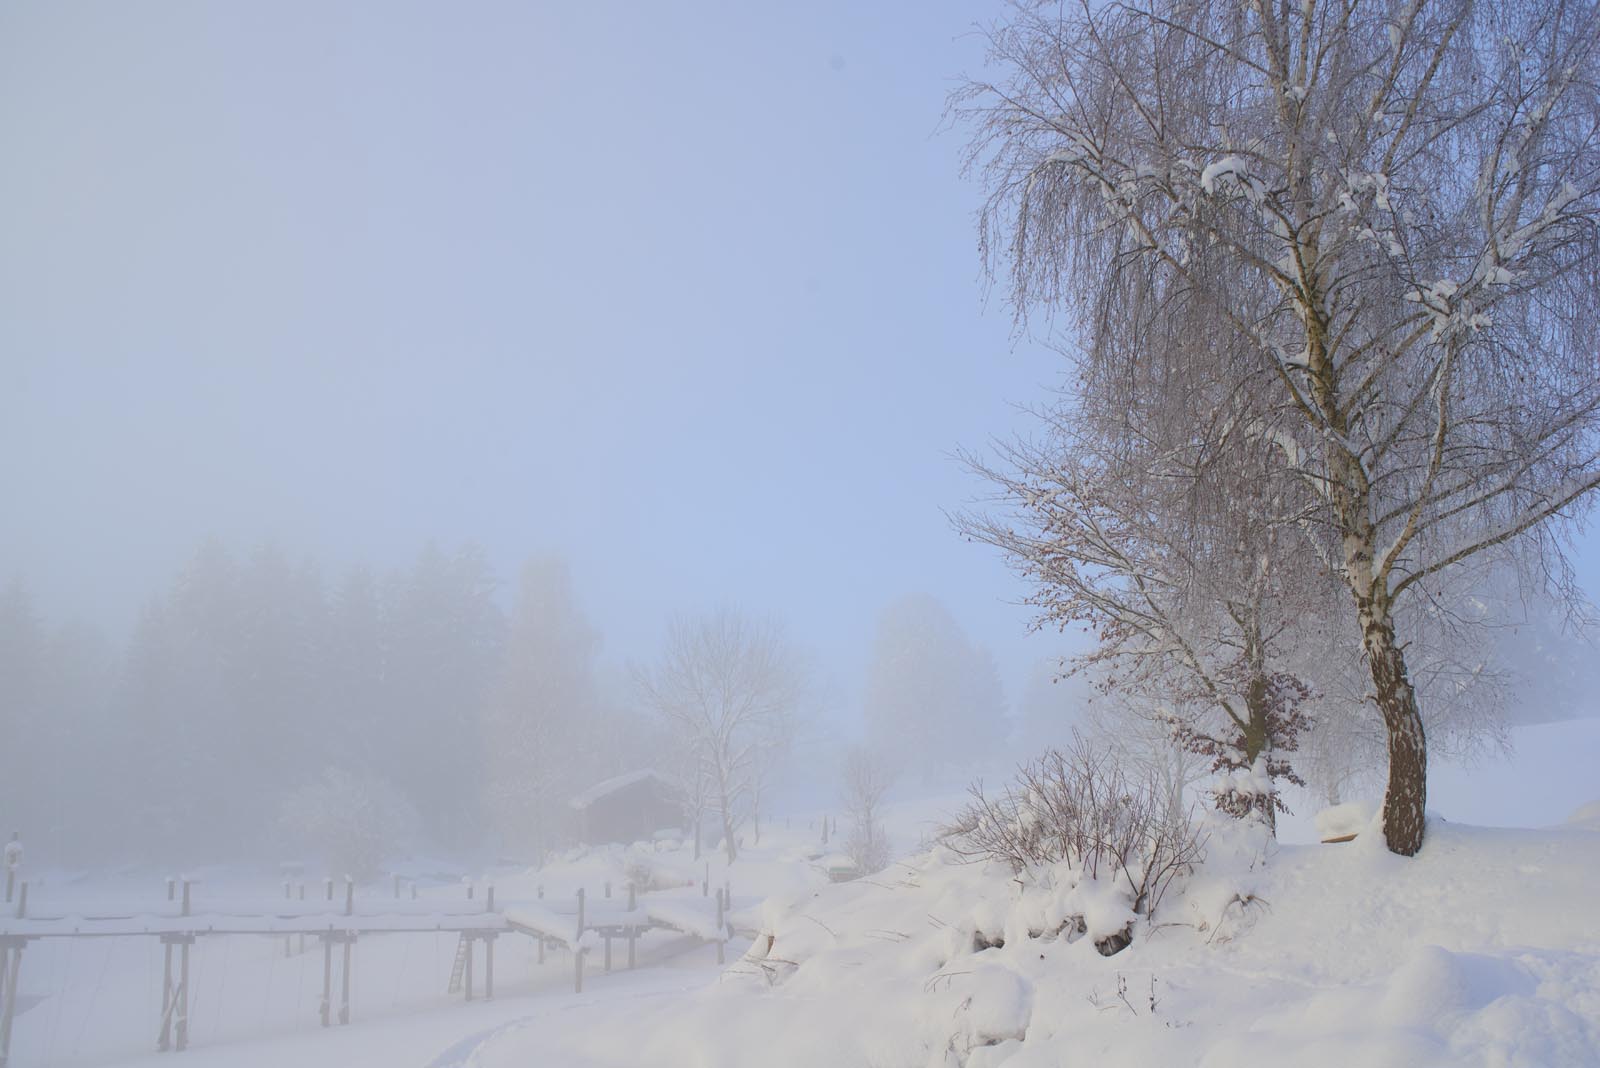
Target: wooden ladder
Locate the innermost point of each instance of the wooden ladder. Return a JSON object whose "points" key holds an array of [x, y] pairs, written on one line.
{"points": [[459, 969]]}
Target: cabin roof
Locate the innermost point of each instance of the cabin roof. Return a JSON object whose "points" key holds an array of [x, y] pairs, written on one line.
{"points": [[618, 782]]}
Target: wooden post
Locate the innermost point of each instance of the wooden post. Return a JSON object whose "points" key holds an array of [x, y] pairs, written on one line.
{"points": [[181, 1032], [489, 899], [349, 896], [327, 977], [488, 965], [344, 996], [288, 940], [541, 948], [397, 886], [721, 951], [172, 888], [580, 913], [608, 889], [470, 940], [608, 949], [633, 897], [186, 898], [164, 1043], [577, 957], [469, 889], [328, 883], [705, 884], [633, 936], [10, 973]]}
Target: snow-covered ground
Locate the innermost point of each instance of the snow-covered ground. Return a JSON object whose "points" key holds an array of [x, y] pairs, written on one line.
{"points": [[1484, 950]]}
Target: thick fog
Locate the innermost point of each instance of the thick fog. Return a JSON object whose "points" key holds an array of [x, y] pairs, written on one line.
{"points": [[371, 373]]}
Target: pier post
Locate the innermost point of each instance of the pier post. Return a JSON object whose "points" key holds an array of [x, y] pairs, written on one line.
{"points": [[164, 1042], [181, 1031], [327, 976], [488, 964], [344, 979], [470, 941], [10, 970], [608, 949]]}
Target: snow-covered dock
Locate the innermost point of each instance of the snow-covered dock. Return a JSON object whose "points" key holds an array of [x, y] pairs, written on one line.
{"points": [[183, 915]]}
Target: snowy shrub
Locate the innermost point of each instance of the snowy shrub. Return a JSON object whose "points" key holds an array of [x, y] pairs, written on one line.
{"points": [[1077, 807], [355, 820]]}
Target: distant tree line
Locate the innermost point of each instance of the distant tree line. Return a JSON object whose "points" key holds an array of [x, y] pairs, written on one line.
{"points": [[255, 697]]}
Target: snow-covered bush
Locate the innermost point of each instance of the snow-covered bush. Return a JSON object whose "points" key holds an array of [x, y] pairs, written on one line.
{"points": [[1077, 807], [866, 779], [355, 820]]}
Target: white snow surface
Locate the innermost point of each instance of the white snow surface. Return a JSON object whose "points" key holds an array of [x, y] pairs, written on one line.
{"points": [[1481, 952]]}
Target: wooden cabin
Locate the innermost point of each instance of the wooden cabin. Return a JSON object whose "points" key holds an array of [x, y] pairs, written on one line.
{"points": [[627, 808]]}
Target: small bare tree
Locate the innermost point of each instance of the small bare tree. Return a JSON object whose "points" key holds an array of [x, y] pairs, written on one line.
{"points": [[1137, 515], [727, 687], [866, 779], [1391, 206]]}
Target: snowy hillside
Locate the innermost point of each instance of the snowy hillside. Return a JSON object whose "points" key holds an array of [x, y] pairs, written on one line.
{"points": [[1484, 950]]}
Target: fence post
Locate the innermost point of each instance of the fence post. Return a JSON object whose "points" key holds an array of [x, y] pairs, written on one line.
{"points": [[721, 952]]}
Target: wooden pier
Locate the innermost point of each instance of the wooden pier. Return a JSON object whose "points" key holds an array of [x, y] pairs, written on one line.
{"points": [[338, 921]]}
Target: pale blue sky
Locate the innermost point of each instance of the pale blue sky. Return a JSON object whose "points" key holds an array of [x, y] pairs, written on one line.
{"points": [[686, 293]]}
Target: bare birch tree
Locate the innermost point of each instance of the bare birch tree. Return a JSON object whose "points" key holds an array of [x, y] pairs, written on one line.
{"points": [[1393, 208], [727, 687]]}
